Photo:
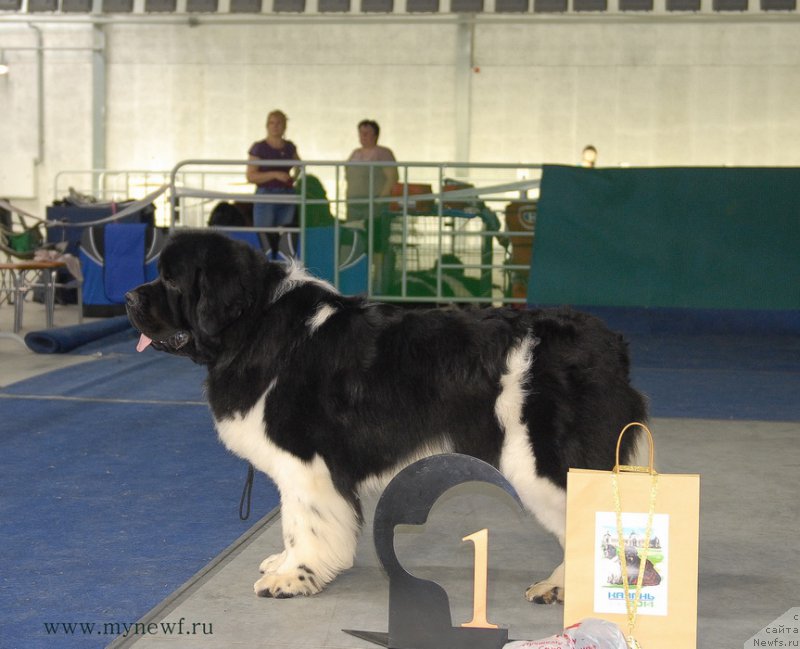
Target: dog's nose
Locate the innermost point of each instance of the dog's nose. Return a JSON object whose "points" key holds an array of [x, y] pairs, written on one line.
{"points": [[131, 298]]}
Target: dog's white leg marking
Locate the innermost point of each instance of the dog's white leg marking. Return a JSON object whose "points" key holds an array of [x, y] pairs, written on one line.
{"points": [[320, 531], [320, 528], [518, 464]]}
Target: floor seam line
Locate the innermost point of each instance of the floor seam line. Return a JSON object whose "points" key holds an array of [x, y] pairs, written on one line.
{"points": [[55, 397]]}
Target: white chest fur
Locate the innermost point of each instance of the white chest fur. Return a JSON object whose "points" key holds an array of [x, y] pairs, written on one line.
{"points": [[245, 435]]}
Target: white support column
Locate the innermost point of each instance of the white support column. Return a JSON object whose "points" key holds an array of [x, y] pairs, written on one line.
{"points": [[98, 101], [463, 88]]}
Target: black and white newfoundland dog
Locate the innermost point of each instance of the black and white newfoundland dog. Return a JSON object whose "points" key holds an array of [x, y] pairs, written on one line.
{"points": [[329, 394]]}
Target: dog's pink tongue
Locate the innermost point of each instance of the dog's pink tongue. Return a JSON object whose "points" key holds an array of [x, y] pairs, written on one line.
{"points": [[144, 341]]}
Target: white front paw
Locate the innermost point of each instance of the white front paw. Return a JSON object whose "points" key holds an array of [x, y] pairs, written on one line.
{"points": [[272, 563], [297, 581]]}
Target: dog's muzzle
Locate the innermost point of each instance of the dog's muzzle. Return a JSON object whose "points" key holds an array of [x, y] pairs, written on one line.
{"points": [[173, 341]]}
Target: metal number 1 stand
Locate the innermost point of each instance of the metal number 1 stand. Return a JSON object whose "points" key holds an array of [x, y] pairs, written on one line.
{"points": [[419, 609]]}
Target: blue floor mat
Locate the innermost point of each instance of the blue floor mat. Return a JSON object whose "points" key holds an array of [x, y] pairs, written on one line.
{"points": [[713, 364], [720, 394], [737, 376], [114, 492], [145, 376]]}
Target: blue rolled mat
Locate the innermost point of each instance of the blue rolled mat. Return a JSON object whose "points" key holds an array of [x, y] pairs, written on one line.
{"points": [[60, 340]]}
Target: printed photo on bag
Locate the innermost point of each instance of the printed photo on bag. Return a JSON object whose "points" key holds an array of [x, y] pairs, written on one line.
{"points": [[609, 591]]}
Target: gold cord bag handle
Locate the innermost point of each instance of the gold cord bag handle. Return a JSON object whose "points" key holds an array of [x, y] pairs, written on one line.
{"points": [[636, 469], [632, 605]]}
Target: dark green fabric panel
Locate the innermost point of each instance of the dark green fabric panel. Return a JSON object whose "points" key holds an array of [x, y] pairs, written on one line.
{"points": [[668, 237]]}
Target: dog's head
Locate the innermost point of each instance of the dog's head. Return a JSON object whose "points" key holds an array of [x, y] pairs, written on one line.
{"points": [[206, 283], [609, 551]]}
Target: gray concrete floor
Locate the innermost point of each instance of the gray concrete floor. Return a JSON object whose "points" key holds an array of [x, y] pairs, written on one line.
{"points": [[17, 362]]}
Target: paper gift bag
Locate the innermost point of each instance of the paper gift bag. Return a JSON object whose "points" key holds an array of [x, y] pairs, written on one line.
{"points": [[657, 516]]}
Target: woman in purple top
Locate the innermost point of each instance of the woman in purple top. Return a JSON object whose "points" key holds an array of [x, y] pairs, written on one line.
{"points": [[272, 179]]}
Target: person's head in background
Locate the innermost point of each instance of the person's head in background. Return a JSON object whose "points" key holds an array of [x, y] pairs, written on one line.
{"points": [[368, 132], [589, 156], [276, 124]]}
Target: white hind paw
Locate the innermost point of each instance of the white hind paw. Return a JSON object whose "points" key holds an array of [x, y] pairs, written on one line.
{"points": [[545, 592]]}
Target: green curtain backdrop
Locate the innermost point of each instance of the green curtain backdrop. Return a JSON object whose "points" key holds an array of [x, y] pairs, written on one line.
{"points": [[723, 238]]}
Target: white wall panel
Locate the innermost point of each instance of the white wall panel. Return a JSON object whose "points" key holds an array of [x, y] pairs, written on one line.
{"points": [[211, 101], [66, 125], [18, 129], [67, 118], [660, 93]]}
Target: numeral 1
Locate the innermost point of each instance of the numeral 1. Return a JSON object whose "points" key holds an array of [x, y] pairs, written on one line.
{"points": [[480, 580]]}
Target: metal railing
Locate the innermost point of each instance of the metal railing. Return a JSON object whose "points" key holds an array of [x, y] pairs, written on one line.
{"points": [[448, 243], [443, 237], [107, 186]]}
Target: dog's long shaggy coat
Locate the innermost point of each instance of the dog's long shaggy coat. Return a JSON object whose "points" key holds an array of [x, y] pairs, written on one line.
{"points": [[328, 394]]}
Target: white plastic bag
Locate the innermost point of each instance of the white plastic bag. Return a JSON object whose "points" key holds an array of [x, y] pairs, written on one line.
{"points": [[590, 633]]}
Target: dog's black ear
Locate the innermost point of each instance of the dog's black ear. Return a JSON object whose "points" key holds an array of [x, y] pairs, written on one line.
{"points": [[224, 297]]}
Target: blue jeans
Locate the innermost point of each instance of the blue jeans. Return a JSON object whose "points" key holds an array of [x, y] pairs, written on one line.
{"points": [[272, 215]]}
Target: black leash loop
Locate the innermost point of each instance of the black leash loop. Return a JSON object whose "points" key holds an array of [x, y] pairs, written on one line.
{"points": [[247, 494]]}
